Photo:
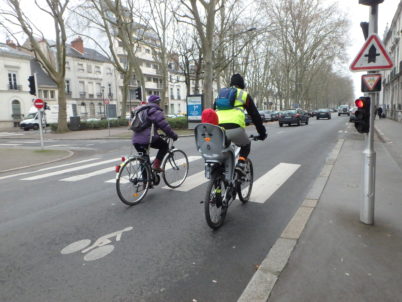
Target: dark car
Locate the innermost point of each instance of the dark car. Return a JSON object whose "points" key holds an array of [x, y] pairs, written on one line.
{"points": [[324, 113], [274, 115], [293, 116], [343, 109]]}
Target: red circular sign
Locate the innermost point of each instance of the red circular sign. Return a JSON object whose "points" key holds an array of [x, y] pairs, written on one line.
{"points": [[106, 101], [39, 104]]}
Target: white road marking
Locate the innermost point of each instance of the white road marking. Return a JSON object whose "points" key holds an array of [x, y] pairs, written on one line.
{"points": [[88, 175], [49, 168], [271, 181], [191, 182], [10, 134], [71, 169], [10, 145]]}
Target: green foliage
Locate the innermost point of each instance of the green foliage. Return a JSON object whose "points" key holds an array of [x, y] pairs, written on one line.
{"points": [[178, 122], [175, 123]]}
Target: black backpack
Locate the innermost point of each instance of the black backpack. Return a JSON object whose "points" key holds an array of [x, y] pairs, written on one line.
{"points": [[140, 119]]}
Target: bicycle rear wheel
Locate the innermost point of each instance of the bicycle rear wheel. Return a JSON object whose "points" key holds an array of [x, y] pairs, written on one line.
{"points": [[215, 206], [244, 183], [175, 166], [133, 181]]}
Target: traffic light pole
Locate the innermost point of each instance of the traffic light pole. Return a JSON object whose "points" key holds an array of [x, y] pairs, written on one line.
{"points": [[367, 206]]}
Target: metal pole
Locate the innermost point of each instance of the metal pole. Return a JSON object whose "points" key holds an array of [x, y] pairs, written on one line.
{"points": [[367, 206], [40, 128]]}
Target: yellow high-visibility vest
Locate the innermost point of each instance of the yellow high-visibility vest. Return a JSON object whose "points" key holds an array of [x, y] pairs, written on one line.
{"points": [[235, 115]]}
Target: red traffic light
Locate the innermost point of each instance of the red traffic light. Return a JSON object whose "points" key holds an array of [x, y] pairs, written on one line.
{"points": [[359, 103]]}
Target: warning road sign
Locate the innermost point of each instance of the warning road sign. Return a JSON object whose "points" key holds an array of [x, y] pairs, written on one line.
{"points": [[372, 56], [371, 82]]}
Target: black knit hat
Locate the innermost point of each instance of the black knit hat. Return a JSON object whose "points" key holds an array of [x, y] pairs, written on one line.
{"points": [[238, 81]]}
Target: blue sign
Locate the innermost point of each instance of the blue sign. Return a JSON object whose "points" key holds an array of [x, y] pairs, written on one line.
{"points": [[194, 107]]}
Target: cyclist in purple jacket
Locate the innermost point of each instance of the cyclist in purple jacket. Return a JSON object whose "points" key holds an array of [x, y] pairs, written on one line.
{"points": [[142, 138]]}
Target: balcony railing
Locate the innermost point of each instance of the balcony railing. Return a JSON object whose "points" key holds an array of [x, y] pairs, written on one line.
{"points": [[110, 95], [68, 93], [82, 95], [91, 95], [99, 94]]}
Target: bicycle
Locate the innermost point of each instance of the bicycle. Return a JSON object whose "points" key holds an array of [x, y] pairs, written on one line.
{"points": [[225, 180], [135, 176]]}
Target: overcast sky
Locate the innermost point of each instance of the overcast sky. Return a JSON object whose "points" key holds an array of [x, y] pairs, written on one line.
{"points": [[354, 11]]}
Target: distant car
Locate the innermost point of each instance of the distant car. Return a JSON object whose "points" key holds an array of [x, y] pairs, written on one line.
{"points": [[323, 113], [274, 115], [265, 115], [352, 116], [343, 109], [293, 116]]}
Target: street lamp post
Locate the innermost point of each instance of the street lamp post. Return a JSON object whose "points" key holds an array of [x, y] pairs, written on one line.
{"points": [[233, 43]]}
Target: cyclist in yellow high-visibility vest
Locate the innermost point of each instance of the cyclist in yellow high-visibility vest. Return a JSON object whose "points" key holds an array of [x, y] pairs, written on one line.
{"points": [[234, 119]]}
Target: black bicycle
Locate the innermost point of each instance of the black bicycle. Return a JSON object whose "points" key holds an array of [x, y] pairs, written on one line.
{"points": [[225, 180], [135, 175]]}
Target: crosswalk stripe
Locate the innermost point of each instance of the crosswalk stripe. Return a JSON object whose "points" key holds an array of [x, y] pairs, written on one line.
{"points": [[48, 168], [271, 181], [191, 182], [88, 175], [70, 170]]}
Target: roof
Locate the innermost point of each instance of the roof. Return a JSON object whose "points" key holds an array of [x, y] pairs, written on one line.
{"points": [[6, 50], [41, 76], [89, 54]]}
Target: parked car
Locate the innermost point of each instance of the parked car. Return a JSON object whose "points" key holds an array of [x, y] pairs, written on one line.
{"points": [[352, 116], [293, 116], [274, 115], [324, 113], [265, 115], [343, 109]]}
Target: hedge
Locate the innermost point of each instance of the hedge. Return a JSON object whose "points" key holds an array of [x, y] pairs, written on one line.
{"points": [[175, 123]]}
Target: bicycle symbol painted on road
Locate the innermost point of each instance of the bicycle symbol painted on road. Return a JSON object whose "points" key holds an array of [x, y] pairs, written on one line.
{"points": [[99, 249]]}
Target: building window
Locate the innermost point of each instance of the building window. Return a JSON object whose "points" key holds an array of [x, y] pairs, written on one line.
{"points": [[110, 90], [171, 94], [81, 67], [170, 78], [89, 68], [120, 44], [52, 94], [45, 94], [155, 66], [68, 90], [12, 80], [147, 50], [148, 64], [108, 71], [178, 94], [68, 65], [97, 70], [149, 79]]}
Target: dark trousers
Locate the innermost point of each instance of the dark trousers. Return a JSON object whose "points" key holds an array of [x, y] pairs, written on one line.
{"points": [[157, 143]]}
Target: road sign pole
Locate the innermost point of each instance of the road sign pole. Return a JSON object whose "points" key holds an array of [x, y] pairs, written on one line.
{"points": [[40, 128], [367, 205]]}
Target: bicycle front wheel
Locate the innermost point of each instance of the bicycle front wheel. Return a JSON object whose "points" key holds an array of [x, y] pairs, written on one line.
{"points": [[244, 183], [133, 180], [175, 166], [215, 206]]}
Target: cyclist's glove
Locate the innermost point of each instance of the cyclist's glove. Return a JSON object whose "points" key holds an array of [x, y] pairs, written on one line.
{"points": [[262, 136], [175, 137]]}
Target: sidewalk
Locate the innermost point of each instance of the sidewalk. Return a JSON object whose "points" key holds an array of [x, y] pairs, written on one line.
{"points": [[338, 258]]}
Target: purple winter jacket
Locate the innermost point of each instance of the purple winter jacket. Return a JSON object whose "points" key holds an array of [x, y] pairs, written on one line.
{"points": [[156, 116]]}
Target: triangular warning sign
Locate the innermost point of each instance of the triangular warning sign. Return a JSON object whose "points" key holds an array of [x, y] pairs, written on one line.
{"points": [[371, 82], [372, 56]]}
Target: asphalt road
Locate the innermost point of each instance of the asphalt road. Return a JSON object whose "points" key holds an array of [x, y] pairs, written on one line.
{"points": [[159, 250]]}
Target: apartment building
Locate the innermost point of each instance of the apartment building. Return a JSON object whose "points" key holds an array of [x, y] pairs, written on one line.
{"points": [[391, 98], [91, 83], [15, 99]]}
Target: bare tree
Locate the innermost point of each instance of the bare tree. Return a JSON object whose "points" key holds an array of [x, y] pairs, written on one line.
{"points": [[201, 14], [306, 34], [52, 61]]}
